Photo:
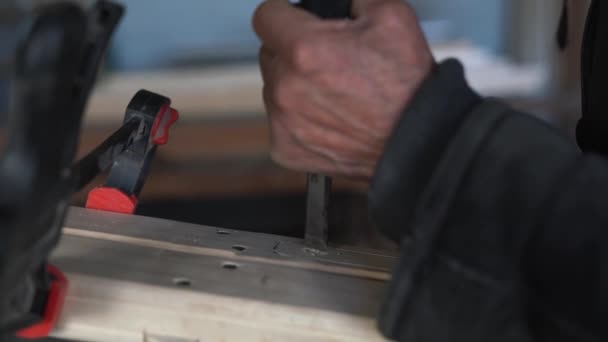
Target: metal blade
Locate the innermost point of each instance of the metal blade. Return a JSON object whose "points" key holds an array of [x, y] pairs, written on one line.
{"points": [[317, 209]]}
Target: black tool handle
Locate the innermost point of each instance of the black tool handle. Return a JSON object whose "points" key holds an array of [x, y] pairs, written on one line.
{"points": [[328, 9], [56, 64], [319, 186]]}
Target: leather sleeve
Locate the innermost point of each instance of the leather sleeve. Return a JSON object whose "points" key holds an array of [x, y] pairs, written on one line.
{"points": [[501, 223], [592, 129]]}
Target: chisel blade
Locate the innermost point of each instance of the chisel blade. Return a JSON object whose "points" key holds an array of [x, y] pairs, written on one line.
{"points": [[317, 209]]}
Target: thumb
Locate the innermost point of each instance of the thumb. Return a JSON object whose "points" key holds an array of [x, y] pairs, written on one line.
{"points": [[278, 23]]}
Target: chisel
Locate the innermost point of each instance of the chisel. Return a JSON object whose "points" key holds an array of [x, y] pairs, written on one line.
{"points": [[319, 186]]}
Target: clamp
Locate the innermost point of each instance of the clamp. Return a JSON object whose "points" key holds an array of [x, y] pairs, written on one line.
{"points": [[47, 306], [129, 152], [49, 94], [37, 170]]}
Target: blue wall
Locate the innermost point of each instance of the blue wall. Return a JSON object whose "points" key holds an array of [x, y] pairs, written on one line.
{"points": [[160, 33], [154, 32], [157, 33]]}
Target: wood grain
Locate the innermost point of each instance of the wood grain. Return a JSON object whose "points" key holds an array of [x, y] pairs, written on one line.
{"points": [[219, 242], [142, 279], [229, 255]]}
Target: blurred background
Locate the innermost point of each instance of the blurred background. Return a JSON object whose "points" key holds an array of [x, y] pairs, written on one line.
{"points": [[216, 170]]}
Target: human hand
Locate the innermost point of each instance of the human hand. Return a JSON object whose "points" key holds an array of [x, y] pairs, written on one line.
{"points": [[334, 89]]}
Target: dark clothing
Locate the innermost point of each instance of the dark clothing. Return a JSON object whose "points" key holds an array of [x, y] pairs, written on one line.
{"points": [[502, 221]]}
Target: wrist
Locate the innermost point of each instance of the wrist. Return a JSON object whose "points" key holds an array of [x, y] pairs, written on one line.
{"points": [[417, 144]]}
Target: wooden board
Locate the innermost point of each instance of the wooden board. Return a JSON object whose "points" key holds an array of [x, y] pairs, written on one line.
{"points": [[214, 158], [143, 279]]}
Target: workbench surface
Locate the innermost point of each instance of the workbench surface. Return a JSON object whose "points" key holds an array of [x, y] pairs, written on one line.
{"points": [[135, 278]]}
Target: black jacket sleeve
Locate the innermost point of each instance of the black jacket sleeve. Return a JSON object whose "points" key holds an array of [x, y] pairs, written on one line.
{"points": [[593, 126], [502, 223]]}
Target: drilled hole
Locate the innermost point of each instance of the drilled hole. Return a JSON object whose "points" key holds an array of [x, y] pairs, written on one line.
{"points": [[239, 248], [183, 282], [223, 232], [230, 266]]}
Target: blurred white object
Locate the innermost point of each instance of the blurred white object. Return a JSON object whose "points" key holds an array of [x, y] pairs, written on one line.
{"points": [[236, 90], [493, 75]]}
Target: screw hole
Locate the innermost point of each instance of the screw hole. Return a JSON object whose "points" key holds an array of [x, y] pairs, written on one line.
{"points": [[239, 248], [223, 232], [230, 266], [183, 282]]}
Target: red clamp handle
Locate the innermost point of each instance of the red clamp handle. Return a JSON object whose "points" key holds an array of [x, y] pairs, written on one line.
{"points": [[165, 119], [52, 311], [110, 199], [115, 200]]}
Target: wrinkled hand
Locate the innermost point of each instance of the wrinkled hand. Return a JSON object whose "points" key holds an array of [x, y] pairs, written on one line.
{"points": [[334, 89]]}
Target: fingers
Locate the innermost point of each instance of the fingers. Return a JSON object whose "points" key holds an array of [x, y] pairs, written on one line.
{"points": [[334, 88], [297, 37], [278, 24], [291, 153], [288, 151], [267, 61], [313, 135]]}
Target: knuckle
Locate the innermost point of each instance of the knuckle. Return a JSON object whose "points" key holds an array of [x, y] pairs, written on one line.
{"points": [[282, 154], [282, 103], [277, 131], [282, 94], [267, 94], [259, 13], [297, 132], [278, 154], [300, 133], [305, 53], [392, 14], [279, 139], [329, 81]]}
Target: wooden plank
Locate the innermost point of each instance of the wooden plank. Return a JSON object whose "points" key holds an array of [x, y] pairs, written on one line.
{"points": [[104, 310], [203, 240], [193, 141], [214, 158], [143, 279]]}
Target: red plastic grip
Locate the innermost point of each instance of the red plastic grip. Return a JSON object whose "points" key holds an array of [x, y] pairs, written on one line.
{"points": [[110, 199], [160, 129], [52, 311]]}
